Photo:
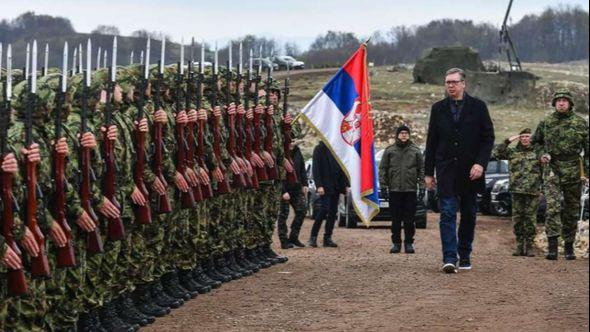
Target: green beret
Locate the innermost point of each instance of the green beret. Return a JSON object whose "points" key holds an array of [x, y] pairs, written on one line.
{"points": [[525, 131]]}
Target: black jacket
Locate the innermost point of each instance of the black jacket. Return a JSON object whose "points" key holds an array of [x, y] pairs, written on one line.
{"points": [[452, 148], [299, 165], [327, 172]]}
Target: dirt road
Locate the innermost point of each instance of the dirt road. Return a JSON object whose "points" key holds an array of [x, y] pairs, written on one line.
{"points": [[361, 287]]}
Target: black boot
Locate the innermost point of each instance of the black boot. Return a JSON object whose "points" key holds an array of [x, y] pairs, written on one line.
{"points": [[552, 249], [247, 262], [313, 242], [144, 302], [286, 244], [199, 274], [127, 311], [270, 253], [202, 287], [568, 251], [252, 256], [263, 255], [243, 262], [396, 248], [295, 241], [409, 248], [185, 279], [111, 322], [90, 322], [211, 271], [173, 288], [221, 266], [234, 264], [162, 299], [329, 243]]}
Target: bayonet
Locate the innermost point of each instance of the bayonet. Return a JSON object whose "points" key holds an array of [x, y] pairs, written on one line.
{"points": [[250, 66], [74, 59], [192, 49], [141, 57], [34, 68], [229, 57], [181, 65], [0, 61], [80, 59], [64, 69], [9, 73], [241, 60], [260, 60], [146, 68], [114, 61], [28, 60], [131, 56], [46, 60], [105, 55], [162, 54], [202, 62], [88, 61], [98, 54], [215, 61]]}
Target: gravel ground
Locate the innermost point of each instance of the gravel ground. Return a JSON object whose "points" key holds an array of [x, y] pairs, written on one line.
{"points": [[361, 287]]}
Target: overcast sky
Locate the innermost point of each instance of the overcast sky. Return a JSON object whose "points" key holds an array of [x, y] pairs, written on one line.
{"points": [[294, 20]]}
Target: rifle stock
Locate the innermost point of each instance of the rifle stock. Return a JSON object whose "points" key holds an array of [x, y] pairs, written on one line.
{"points": [[291, 177], [190, 135], [238, 179], [187, 199], [162, 201], [206, 188], [143, 213], [260, 171], [273, 172], [223, 186]]}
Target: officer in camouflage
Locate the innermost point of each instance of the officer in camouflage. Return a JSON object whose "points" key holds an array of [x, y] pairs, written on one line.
{"points": [[561, 137], [525, 187]]}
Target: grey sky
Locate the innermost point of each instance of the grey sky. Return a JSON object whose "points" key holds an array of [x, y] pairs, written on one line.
{"points": [[285, 20]]}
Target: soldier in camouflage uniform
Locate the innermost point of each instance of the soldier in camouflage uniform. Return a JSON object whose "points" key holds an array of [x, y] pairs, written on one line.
{"points": [[525, 187], [561, 137]]}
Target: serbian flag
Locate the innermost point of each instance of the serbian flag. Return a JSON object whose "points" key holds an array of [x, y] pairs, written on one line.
{"points": [[341, 114]]}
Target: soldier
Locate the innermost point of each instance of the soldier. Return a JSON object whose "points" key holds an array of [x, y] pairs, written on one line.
{"points": [[525, 186], [293, 194], [561, 137]]}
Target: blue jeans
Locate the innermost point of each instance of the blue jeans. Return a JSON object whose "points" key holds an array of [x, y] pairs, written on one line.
{"points": [[457, 243]]}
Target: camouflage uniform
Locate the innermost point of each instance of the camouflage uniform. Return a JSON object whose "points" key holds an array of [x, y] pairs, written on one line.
{"points": [[525, 186], [563, 136]]}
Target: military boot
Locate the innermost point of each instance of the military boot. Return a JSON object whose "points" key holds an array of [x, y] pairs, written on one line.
{"points": [[396, 248], [253, 257], [186, 281], [90, 322], [248, 262], [202, 287], [286, 244], [173, 288], [111, 322], [213, 273], [264, 257], [313, 242], [144, 302], [520, 250], [329, 243], [552, 248], [295, 241], [162, 299], [202, 277], [270, 253], [127, 311], [233, 264], [221, 266], [568, 251]]}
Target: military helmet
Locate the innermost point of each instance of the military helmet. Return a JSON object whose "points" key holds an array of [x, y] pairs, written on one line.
{"points": [[563, 93]]}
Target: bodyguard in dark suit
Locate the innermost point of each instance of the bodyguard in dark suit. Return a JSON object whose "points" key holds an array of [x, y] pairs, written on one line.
{"points": [[458, 147], [330, 182]]}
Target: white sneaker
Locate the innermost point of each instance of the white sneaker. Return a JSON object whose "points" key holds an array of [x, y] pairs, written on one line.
{"points": [[449, 268]]}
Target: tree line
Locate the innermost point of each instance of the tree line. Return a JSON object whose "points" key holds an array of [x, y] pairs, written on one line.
{"points": [[557, 34]]}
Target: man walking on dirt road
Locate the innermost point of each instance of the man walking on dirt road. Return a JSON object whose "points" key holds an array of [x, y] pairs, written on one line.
{"points": [[458, 148]]}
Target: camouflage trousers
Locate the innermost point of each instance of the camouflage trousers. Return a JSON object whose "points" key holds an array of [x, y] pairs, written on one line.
{"points": [[252, 212], [216, 227], [177, 238], [154, 262], [27, 313], [297, 201], [563, 206], [272, 200], [524, 216]]}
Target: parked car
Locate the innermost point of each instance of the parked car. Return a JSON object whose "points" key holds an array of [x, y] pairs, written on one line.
{"points": [[285, 60], [347, 217], [497, 170], [266, 63]]}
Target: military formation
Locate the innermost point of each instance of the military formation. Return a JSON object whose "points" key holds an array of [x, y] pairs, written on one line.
{"points": [[552, 161], [128, 190]]}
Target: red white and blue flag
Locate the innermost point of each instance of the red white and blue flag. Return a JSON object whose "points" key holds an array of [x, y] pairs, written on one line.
{"points": [[341, 114]]}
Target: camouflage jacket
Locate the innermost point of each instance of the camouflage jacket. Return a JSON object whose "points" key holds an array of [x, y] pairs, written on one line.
{"points": [[525, 167], [564, 136]]}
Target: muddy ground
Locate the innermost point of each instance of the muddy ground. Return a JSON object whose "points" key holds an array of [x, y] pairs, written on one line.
{"points": [[361, 287]]}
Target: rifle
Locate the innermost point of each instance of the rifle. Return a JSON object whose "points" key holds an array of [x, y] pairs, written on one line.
{"points": [[261, 171], [240, 122], [206, 189], [143, 214], [190, 135], [162, 201], [273, 172], [223, 186], [16, 282], [286, 128], [248, 130], [65, 255], [238, 179], [40, 264], [115, 228], [187, 199], [94, 243]]}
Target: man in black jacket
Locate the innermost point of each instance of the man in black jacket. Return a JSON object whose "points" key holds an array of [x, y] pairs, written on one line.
{"points": [[293, 195], [330, 182], [458, 147]]}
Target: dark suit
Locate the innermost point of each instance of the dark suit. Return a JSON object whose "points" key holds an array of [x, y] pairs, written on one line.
{"points": [[452, 148], [327, 174]]}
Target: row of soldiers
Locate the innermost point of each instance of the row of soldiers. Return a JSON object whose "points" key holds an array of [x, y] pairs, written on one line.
{"points": [[153, 184]]}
